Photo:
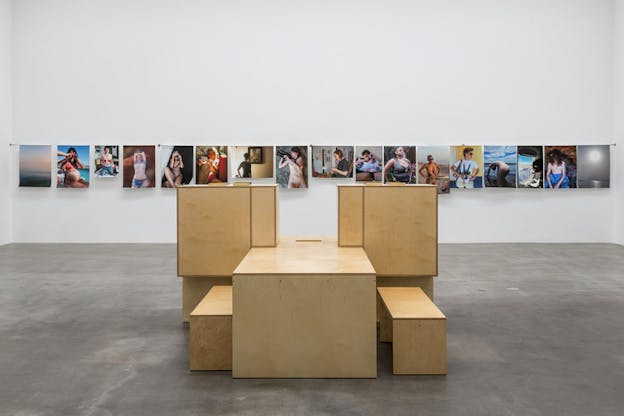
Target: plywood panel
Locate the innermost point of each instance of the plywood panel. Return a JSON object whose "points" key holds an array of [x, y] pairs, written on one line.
{"points": [[423, 282], [400, 229], [350, 214], [419, 346], [306, 257], [214, 229], [264, 216], [218, 301], [210, 342], [195, 288], [408, 303], [304, 326]]}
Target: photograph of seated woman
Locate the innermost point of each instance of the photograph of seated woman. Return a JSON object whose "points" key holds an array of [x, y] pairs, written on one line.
{"points": [[399, 167], [70, 168], [561, 168], [106, 161], [176, 169], [368, 165], [212, 164], [291, 167]]}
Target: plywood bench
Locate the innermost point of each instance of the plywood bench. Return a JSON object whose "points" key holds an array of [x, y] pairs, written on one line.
{"points": [[211, 331], [416, 328]]}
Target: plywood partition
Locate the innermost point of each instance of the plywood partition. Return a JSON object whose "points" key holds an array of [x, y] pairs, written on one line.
{"points": [[396, 225], [350, 216], [401, 230], [264, 216], [217, 225]]}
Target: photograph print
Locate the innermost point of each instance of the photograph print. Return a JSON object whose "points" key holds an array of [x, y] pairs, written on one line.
{"points": [[139, 167], [466, 167], [176, 165], [332, 161], [251, 162], [369, 164], [433, 167], [594, 166], [106, 159], [530, 167], [35, 166], [291, 170], [400, 164], [72, 163], [212, 164], [560, 170], [499, 163]]}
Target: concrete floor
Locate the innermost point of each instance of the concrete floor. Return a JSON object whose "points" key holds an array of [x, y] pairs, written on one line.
{"points": [[95, 330]]}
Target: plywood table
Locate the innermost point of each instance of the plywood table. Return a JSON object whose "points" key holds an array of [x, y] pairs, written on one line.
{"points": [[304, 309]]}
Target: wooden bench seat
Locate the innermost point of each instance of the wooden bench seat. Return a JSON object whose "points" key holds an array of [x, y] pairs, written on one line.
{"points": [[416, 328], [210, 331]]}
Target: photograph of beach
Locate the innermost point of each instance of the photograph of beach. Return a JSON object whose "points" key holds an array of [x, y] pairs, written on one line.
{"points": [[433, 167], [35, 166]]}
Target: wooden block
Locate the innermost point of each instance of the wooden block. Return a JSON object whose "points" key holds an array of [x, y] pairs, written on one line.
{"points": [[350, 216], [264, 216], [214, 229], [400, 229], [210, 333], [385, 321], [304, 325], [423, 282], [419, 346], [408, 303], [195, 288]]}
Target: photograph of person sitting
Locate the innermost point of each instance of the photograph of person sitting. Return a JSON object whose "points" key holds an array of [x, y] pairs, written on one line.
{"points": [[106, 161], [212, 164], [367, 166], [557, 171], [70, 168], [177, 166]]}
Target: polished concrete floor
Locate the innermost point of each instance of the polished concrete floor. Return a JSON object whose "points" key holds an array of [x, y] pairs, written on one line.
{"points": [[95, 330]]}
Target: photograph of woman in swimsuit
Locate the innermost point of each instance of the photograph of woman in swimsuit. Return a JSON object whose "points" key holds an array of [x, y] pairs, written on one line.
{"points": [[433, 167], [139, 167], [291, 166], [400, 164], [177, 165], [73, 167]]}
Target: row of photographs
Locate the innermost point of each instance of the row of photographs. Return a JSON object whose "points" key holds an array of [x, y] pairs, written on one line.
{"points": [[447, 167]]}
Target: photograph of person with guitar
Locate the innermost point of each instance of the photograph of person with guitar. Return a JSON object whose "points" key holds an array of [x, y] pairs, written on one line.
{"points": [[466, 171]]}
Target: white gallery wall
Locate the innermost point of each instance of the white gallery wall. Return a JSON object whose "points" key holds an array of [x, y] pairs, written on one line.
{"points": [[301, 72], [619, 115], [5, 119]]}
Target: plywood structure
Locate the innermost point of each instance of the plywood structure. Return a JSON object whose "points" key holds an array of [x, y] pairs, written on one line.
{"points": [[304, 309], [195, 288], [264, 221], [210, 333], [350, 216], [399, 226], [417, 329], [215, 226]]}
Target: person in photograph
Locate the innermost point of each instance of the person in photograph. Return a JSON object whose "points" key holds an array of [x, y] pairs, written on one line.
{"points": [[139, 162], [557, 172], [294, 162], [69, 165], [244, 169], [173, 171], [107, 166], [366, 166], [502, 170], [465, 170], [209, 166], [399, 168], [342, 165], [430, 171]]}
